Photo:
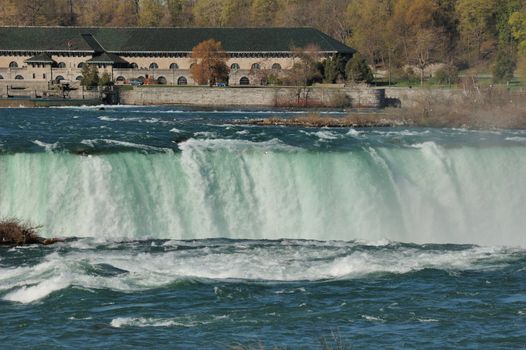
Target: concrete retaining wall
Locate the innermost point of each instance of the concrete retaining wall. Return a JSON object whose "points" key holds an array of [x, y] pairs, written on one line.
{"points": [[407, 97], [264, 96]]}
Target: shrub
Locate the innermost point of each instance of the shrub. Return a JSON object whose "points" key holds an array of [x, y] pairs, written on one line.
{"points": [[504, 67], [446, 75], [14, 232]]}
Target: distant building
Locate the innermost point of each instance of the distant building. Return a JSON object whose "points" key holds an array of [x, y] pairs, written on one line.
{"points": [[53, 54]]}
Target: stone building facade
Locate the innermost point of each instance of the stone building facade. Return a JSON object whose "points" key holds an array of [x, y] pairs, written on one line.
{"points": [[161, 55]]}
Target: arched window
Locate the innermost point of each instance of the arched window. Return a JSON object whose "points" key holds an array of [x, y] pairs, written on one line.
{"points": [[79, 78], [80, 65], [256, 66], [120, 78], [1, 77], [154, 66], [134, 65], [161, 81], [182, 81], [174, 66], [192, 65], [13, 65], [234, 67], [61, 65], [19, 77], [244, 81], [59, 78], [276, 66], [141, 79]]}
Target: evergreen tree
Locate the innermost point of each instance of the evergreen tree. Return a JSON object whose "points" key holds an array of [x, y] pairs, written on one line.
{"points": [[358, 70], [105, 79]]}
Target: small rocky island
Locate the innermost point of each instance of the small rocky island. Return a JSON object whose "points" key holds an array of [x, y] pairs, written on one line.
{"points": [[16, 233]]}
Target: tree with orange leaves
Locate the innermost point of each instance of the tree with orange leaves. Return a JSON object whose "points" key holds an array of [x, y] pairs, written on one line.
{"points": [[209, 63]]}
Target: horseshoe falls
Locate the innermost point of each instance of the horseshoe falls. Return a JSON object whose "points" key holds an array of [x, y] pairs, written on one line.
{"points": [[248, 190], [183, 230]]}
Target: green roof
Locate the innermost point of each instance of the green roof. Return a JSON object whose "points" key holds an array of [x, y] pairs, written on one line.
{"points": [[41, 58], [120, 40], [107, 58]]}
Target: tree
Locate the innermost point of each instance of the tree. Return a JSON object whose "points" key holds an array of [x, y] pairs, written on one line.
{"points": [[305, 69], [476, 23], [209, 63], [426, 50], [90, 75], [105, 79], [521, 68], [517, 23], [233, 13], [334, 69], [151, 13], [358, 70], [263, 12], [365, 17], [207, 12]]}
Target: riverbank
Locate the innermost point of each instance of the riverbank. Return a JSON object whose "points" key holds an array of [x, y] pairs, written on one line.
{"points": [[490, 108]]}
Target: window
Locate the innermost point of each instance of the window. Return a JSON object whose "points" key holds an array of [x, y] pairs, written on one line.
{"points": [[154, 66], [141, 79], [174, 66], [256, 66], [1, 77], [13, 65], [134, 65], [61, 65], [19, 77], [44, 76], [59, 78], [34, 76], [276, 66], [162, 81], [120, 78], [244, 81], [81, 65], [234, 67], [182, 81], [79, 78]]}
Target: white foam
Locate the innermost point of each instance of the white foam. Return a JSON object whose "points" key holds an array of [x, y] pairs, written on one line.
{"points": [[207, 134], [39, 291], [326, 135], [516, 139], [353, 132], [93, 142], [47, 146], [139, 271], [142, 322], [176, 131], [234, 145]]}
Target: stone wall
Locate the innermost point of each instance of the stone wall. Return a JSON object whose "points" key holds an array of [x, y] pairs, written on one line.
{"points": [[358, 97], [408, 97]]}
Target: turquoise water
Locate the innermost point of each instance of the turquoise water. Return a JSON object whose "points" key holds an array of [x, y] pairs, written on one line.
{"points": [[184, 231]]}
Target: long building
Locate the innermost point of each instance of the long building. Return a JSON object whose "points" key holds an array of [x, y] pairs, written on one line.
{"points": [[161, 55]]}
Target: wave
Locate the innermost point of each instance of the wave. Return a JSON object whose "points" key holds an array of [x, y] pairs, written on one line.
{"points": [[139, 266]]}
